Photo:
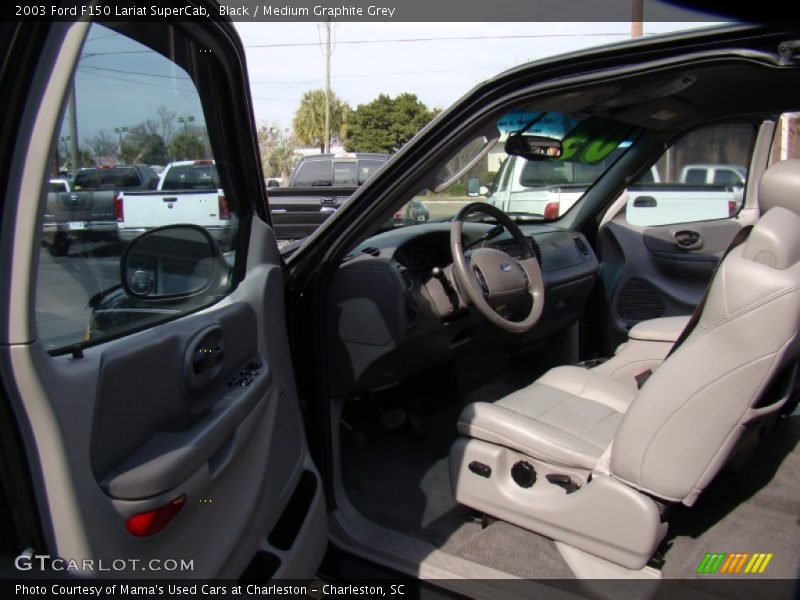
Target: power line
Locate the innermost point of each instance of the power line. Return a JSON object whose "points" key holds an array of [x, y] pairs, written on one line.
{"points": [[127, 72], [146, 83], [446, 39], [102, 37], [93, 54], [380, 74]]}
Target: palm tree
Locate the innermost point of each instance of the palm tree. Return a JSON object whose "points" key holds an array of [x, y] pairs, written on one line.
{"points": [[309, 120], [280, 161]]}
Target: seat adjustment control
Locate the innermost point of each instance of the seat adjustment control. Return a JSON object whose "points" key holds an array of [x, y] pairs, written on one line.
{"points": [[523, 474], [562, 481], [480, 469]]}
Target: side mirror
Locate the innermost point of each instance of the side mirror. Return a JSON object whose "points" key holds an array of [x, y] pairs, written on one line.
{"points": [[271, 183], [473, 187], [173, 262], [533, 147]]}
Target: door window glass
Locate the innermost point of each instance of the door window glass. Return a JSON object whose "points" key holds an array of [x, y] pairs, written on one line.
{"points": [[131, 113], [701, 177], [314, 173], [345, 173]]}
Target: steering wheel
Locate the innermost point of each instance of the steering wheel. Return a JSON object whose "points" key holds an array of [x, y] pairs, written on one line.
{"points": [[491, 278]]}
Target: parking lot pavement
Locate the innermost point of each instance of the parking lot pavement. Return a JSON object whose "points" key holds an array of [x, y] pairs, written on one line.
{"points": [[66, 283], [445, 208]]}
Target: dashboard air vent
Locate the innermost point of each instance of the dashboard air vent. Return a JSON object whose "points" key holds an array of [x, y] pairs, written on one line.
{"points": [[405, 275], [536, 250], [580, 244], [372, 251], [639, 300]]}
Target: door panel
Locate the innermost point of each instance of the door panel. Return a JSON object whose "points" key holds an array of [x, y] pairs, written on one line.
{"points": [[196, 416], [126, 435], [659, 252], [645, 273]]}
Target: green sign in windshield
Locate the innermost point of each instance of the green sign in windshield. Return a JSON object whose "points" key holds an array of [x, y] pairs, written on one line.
{"points": [[594, 139], [588, 141]]}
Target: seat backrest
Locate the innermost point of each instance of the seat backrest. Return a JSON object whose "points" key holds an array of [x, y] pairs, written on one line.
{"points": [[733, 373]]}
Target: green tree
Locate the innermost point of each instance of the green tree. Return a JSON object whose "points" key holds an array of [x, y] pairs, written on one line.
{"points": [[309, 120], [187, 145], [102, 144], [386, 123], [143, 144], [280, 161]]}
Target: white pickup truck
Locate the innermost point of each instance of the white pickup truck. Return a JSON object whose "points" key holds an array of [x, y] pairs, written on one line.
{"points": [[187, 192], [549, 188]]}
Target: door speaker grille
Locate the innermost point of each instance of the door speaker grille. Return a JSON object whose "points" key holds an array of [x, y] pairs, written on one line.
{"points": [[286, 449], [639, 300]]}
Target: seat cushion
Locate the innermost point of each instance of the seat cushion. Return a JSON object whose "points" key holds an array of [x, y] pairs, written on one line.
{"points": [[567, 417]]}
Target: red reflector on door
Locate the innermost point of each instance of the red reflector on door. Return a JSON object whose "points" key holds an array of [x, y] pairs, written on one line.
{"points": [[153, 521]]}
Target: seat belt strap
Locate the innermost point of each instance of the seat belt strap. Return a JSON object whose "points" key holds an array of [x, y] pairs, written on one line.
{"points": [[738, 240], [603, 466]]}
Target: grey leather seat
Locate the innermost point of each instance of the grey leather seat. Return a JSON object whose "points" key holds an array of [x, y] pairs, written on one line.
{"points": [[631, 452], [567, 417]]}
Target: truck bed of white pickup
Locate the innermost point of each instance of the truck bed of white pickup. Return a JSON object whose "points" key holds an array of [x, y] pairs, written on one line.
{"points": [[140, 211], [188, 192]]}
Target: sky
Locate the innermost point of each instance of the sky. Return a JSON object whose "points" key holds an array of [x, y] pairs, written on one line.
{"points": [[121, 83], [439, 71]]}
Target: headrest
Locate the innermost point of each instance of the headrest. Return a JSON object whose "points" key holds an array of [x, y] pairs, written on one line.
{"points": [[780, 186], [775, 239]]}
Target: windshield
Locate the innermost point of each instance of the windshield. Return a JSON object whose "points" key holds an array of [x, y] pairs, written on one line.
{"points": [[115, 178], [331, 172], [544, 188], [191, 177]]}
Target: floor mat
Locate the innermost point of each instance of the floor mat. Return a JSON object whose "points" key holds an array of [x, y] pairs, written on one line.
{"points": [[402, 482], [399, 478], [753, 510]]}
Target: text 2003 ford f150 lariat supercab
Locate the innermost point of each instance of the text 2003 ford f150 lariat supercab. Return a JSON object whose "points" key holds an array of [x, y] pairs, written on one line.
{"points": [[371, 389]]}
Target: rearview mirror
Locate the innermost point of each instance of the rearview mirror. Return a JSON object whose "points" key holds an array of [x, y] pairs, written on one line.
{"points": [[533, 147], [173, 262]]}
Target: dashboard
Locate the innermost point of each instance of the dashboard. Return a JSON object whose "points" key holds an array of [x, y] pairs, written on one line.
{"points": [[392, 317]]}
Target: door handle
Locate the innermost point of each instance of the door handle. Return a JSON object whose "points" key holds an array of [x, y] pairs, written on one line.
{"points": [[207, 358], [169, 199], [687, 239], [645, 202], [277, 211]]}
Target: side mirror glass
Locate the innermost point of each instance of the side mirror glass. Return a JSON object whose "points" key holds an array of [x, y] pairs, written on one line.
{"points": [[473, 187], [533, 147], [173, 262]]}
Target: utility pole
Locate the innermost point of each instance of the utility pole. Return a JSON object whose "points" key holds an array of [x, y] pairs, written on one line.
{"points": [[75, 159], [327, 86], [119, 131], [637, 16]]}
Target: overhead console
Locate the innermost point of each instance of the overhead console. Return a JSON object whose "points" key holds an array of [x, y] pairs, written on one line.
{"points": [[395, 310]]}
